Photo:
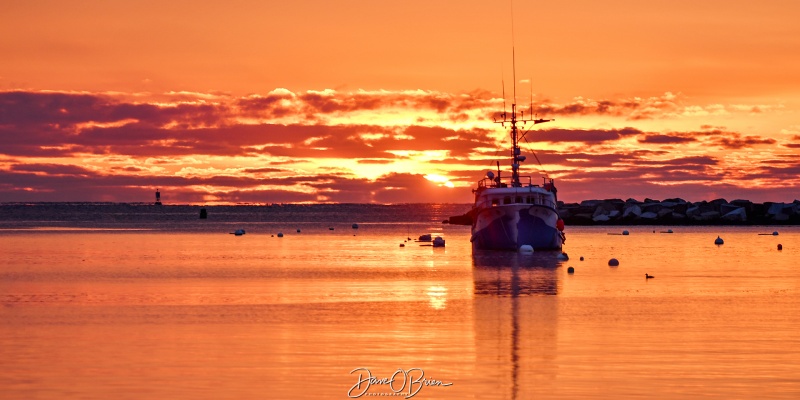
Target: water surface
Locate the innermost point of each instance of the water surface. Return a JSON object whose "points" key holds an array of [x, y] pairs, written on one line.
{"points": [[102, 310]]}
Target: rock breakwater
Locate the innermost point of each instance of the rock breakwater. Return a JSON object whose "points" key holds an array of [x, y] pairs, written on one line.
{"points": [[677, 211]]}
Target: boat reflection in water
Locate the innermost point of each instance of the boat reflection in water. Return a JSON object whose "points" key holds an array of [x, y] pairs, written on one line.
{"points": [[502, 273], [516, 315]]}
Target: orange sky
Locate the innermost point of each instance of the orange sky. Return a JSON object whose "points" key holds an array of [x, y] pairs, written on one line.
{"points": [[359, 101]]}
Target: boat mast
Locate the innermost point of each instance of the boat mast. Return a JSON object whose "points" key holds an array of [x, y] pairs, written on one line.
{"points": [[516, 157]]}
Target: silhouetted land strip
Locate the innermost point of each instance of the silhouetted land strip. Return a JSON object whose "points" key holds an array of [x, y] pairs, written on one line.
{"points": [[671, 212], [589, 212], [184, 216]]}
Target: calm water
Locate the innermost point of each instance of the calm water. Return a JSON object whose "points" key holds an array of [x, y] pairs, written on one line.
{"points": [[97, 310]]}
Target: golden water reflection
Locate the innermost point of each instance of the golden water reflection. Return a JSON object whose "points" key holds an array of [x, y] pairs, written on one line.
{"points": [[516, 319]]}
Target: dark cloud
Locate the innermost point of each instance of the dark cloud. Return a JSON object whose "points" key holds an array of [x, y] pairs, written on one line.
{"points": [[67, 109], [588, 136], [737, 141], [53, 169], [664, 139], [261, 170]]}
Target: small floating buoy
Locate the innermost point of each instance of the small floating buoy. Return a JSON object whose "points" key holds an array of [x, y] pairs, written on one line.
{"points": [[780, 246], [613, 262], [646, 276], [719, 240], [280, 234], [438, 242], [402, 245], [775, 233], [581, 258], [627, 233], [526, 248], [355, 226], [570, 270]]}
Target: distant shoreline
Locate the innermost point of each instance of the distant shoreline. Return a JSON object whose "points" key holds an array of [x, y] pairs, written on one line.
{"points": [[674, 212]]}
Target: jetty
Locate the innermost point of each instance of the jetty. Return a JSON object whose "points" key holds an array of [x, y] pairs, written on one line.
{"points": [[674, 211]]}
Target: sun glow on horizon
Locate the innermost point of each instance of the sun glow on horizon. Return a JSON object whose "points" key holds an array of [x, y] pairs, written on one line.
{"points": [[440, 179]]}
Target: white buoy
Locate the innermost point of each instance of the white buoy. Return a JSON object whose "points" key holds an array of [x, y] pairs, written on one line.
{"points": [[775, 233], [563, 256], [526, 248], [438, 242], [626, 233], [613, 262], [280, 234], [719, 240]]}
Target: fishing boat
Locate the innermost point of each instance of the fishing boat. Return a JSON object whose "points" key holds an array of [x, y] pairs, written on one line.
{"points": [[511, 211]]}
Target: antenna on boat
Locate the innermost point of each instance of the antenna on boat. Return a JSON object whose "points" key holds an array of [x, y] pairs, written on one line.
{"points": [[530, 84], [513, 56], [516, 154], [503, 82]]}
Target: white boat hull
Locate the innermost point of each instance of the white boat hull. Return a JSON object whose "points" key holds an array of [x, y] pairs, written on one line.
{"points": [[507, 227]]}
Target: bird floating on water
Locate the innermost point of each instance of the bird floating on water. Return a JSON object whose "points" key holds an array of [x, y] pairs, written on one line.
{"points": [[646, 276]]}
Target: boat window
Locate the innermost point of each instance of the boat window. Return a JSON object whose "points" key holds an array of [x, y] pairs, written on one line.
{"points": [[519, 199], [506, 200], [494, 202], [529, 200]]}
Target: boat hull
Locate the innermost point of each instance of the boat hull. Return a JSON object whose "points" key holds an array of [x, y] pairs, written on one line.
{"points": [[508, 227]]}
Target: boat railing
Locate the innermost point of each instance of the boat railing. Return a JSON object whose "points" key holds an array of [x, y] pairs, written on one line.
{"points": [[519, 197], [497, 182], [528, 199]]}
